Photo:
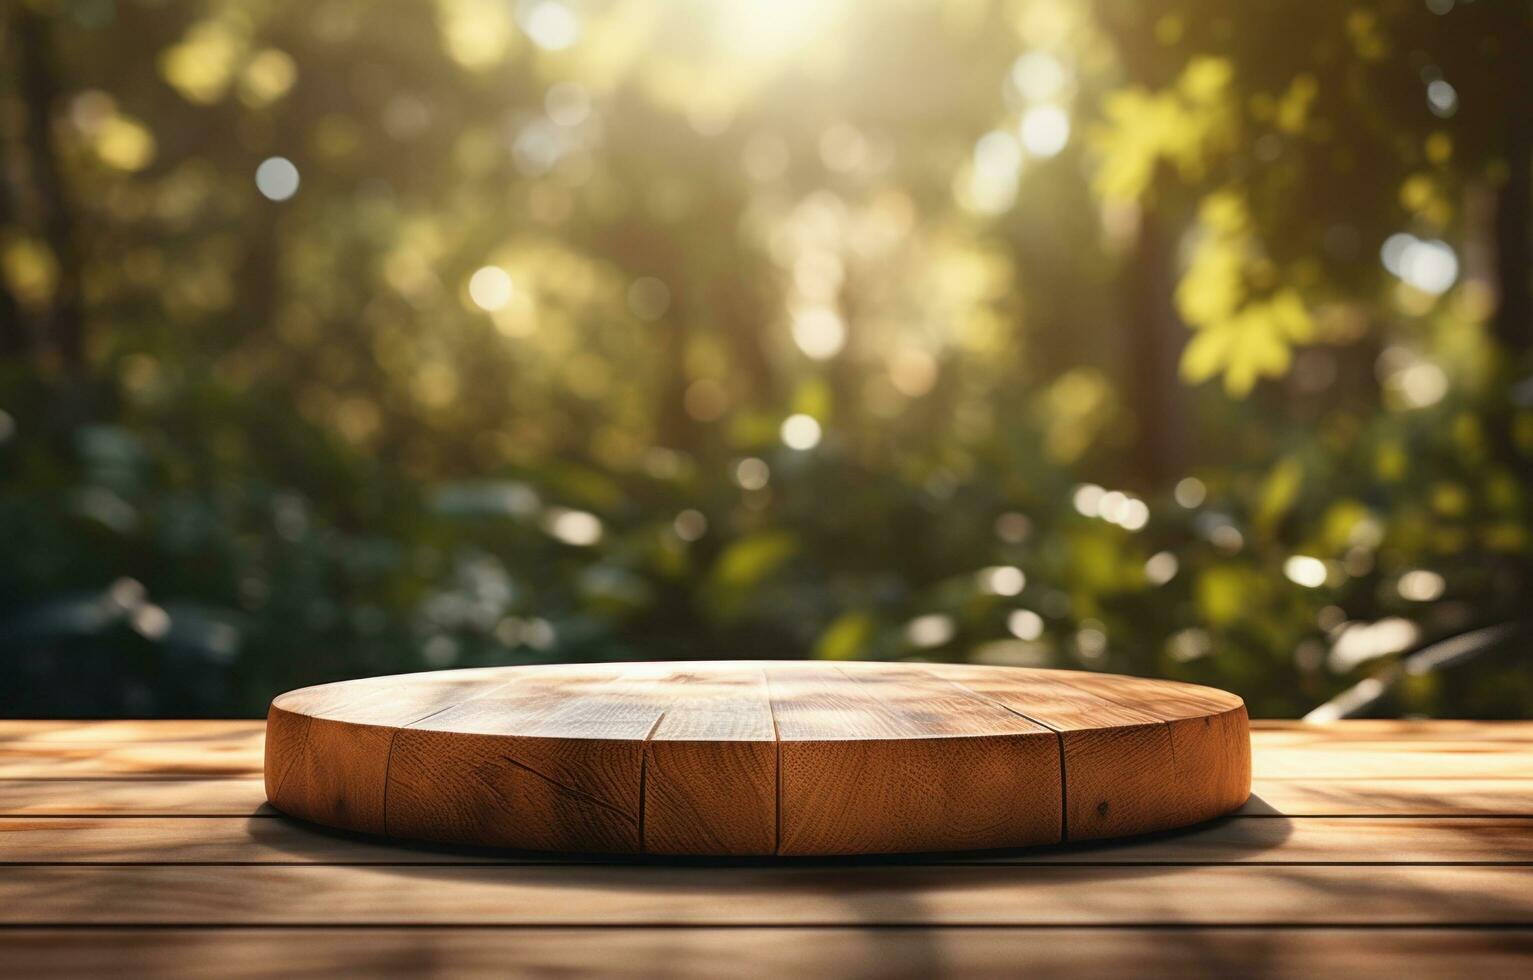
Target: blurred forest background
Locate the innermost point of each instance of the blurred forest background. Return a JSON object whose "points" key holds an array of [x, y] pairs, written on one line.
{"points": [[1169, 337]]}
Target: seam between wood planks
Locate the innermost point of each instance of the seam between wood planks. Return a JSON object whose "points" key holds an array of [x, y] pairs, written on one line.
{"points": [[274, 815], [766, 677], [1059, 736], [1165, 723], [388, 762], [616, 863], [1402, 926], [644, 776]]}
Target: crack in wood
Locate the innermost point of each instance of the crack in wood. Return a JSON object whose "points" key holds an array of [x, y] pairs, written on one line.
{"points": [[644, 778], [574, 791]]}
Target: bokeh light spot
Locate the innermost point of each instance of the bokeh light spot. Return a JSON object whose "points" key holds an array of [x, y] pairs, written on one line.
{"points": [[567, 104], [490, 288], [1025, 624], [1006, 580], [648, 298], [1045, 130], [690, 525], [1190, 492], [752, 473], [574, 527], [800, 432], [1038, 76], [931, 630], [1305, 570], [277, 178], [819, 332], [1420, 585], [550, 24]]}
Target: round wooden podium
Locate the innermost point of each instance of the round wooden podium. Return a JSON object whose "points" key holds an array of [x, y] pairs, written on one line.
{"points": [[757, 758]]}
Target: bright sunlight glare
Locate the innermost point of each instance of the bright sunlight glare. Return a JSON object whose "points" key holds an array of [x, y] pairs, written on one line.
{"points": [[1045, 130], [765, 30]]}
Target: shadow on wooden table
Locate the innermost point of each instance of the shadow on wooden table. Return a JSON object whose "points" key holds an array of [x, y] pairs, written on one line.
{"points": [[1225, 840], [868, 892]]}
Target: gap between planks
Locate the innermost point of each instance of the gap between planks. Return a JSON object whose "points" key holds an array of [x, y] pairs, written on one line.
{"points": [[1238, 841], [1059, 738]]}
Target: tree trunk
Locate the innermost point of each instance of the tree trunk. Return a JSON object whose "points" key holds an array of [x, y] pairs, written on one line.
{"points": [[15, 331], [1513, 323], [1153, 342], [40, 91]]}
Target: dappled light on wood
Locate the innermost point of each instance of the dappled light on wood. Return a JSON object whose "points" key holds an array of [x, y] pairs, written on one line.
{"points": [[763, 758]]}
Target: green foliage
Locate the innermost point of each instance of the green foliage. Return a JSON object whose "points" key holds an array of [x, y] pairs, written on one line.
{"points": [[693, 330]]}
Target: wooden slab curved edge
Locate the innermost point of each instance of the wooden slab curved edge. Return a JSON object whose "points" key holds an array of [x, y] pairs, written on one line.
{"points": [[758, 758]]}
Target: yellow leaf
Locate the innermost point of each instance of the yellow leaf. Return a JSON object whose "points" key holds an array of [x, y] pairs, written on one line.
{"points": [[1205, 355], [30, 269], [124, 144], [1224, 593], [1339, 524], [1293, 108], [1279, 491], [746, 562], [845, 638], [1182, 125]]}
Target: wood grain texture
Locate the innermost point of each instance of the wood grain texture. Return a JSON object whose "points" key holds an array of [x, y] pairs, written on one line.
{"points": [[245, 795], [1389, 797], [238, 756], [890, 758], [710, 767], [665, 896], [705, 954], [152, 865], [757, 758], [1237, 840]]}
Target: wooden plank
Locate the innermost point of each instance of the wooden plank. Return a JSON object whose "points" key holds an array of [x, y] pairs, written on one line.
{"points": [[242, 754], [190, 748], [13, 732], [1391, 797], [1167, 700], [206, 749], [710, 768], [699, 953], [1291, 798], [235, 755], [1138, 756], [529, 765], [391, 701], [164, 730], [1115, 777], [923, 742], [968, 895], [1395, 760], [1448, 728], [1318, 840], [1315, 840], [328, 747], [237, 796]]}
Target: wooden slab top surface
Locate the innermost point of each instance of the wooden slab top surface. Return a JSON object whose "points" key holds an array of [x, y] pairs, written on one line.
{"points": [[757, 757], [144, 849]]}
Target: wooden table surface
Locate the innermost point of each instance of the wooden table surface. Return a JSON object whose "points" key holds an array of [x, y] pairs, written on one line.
{"points": [[1368, 848]]}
